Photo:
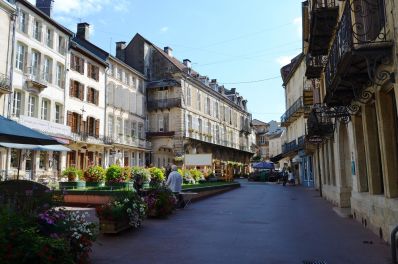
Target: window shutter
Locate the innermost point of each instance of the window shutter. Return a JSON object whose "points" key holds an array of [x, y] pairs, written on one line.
{"points": [[97, 127], [72, 61], [71, 88], [96, 97], [69, 121], [89, 94], [89, 70], [81, 62], [81, 91]]}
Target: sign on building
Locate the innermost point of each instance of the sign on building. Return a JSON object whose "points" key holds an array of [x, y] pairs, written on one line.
{"points": [[198, 159]]}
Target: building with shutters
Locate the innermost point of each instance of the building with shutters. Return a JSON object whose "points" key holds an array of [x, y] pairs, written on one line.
{"points": [[187, 113], [85, 100], [125, 114], [38, 88]]}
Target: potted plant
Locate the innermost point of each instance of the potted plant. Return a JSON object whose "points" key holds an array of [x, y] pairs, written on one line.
{"points": [[157, 176], [124, 212], [73, 174], [160, 202], [186, 176], [141, 178], [116, 178], [197, 175], [94, 176]]}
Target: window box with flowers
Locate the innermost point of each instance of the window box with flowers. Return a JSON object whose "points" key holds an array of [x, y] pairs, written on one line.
{"points": [[124, 212]]}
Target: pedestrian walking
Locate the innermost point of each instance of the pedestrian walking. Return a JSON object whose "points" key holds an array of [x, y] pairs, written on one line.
{"points": [[291, 177], [174, 182]]}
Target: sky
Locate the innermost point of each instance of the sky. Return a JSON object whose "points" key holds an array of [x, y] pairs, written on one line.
{"points": [[242, 44]]}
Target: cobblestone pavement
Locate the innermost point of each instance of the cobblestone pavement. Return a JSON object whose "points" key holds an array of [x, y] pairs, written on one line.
{"points": [[257, 223]]}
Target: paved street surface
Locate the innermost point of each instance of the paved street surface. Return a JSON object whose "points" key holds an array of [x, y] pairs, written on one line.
{"points": [[258, 223]]}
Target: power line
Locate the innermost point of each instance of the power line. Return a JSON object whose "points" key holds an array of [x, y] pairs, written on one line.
{"points": [[256, 81]]}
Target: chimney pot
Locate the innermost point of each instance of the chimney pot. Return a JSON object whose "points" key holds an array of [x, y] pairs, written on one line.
{"points": [[187, 63], [83, 31], [120, 50], [169, 51]]}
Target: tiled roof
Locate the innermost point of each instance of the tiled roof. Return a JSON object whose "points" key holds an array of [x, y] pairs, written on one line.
{"points": [[288, 70]]}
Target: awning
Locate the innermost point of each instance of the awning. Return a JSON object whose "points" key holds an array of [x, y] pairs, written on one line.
{"points": [[263, 165], [34, 147], [12, 132]]}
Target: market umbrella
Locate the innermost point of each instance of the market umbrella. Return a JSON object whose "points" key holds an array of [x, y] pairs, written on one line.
{"points": [[12, 132], [263, 165]]}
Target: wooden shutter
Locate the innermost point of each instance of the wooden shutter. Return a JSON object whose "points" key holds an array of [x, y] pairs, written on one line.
{"points": [[81, 61], [89, 70], [96, 73], [97, 127], [96, 97], [81, 91], [72, 61], [69, 121], [71, 88]]}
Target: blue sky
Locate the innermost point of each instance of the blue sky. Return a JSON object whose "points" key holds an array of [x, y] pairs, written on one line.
{"points": [[232, 41]]}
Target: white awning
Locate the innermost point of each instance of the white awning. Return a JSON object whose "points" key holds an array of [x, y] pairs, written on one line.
{"points": [[35, 147]]}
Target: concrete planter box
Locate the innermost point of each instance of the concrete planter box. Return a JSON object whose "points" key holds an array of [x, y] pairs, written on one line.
{"points": [[120, 185], [72, 185], [94, 184]]}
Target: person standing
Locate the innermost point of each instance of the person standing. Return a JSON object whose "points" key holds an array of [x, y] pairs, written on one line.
{"points": [[174, 183], [291, 177]]}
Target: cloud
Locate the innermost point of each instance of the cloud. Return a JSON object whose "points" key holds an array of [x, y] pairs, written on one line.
{"points": [[299, 27], [284, 60], [122, 6], [164, 29]]}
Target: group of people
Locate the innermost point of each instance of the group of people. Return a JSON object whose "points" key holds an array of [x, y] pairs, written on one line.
{"points": [[288, 176]]}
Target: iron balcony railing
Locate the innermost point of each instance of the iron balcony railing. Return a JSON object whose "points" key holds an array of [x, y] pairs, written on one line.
{"points": [[296, 108], [362, 26], [294, 145], [314, 66], [321, 4], [164, 103]]}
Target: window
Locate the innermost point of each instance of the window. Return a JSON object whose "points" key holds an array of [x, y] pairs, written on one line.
{"points": [[45, 112], [93, 71], [75, 122], [134, 129], [43, 159], [127, 128], [110, 126], [58, 113], [32, 105], [160, 122], [208, 106], [188, 96], [14, 158], [77, 63], [141, 130], [60, 75], [93, 126], [23, 22], [166, 122], [141, 86], [35, 63], [119, 130], [200, 125], [216, 109], [199, 102], [118, 73], [61, 45], [49, 37], [127, 79], [16, 105], [21, 57], [92, 96], [47, 69], [37, 30], [76, 90]]}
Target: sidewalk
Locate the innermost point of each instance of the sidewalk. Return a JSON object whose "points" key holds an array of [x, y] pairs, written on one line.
{"points": [[258, 223]]}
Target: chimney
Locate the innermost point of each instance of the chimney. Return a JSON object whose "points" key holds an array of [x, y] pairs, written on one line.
{"points": [[169, 51], [83, 31], [120, 50], [233, 90], [187, 63], [45, 6]]}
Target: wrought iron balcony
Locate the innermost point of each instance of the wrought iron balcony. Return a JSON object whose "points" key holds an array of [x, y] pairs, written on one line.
{"points": [[164, 103], [294, 145], [296, 110], [314, 66], [319, 126], [360, 45], [311, 91], [36, 80], [5, 86], [323, 20]]}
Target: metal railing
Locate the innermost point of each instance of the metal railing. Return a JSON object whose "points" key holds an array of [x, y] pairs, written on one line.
{"points": [[164, 103], [321, 4], [362, 24], [5, 83], [293, 145], [298, 105]]}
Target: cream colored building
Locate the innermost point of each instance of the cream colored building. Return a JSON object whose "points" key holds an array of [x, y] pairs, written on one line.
{"points": [[358, 91], [38, 88], [7, 22], [126, 113], [187, 112], [85, 97]]}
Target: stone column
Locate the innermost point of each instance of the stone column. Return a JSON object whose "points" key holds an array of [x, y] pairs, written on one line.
{"points": [[360, 156]]}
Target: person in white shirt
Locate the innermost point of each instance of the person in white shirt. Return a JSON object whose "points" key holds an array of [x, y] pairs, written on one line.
{"points": [[174, 182]]}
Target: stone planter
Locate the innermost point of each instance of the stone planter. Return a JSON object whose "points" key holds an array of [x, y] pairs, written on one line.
{"points": [[72, 185], [95, 184], [113, 227], [120, 185]]}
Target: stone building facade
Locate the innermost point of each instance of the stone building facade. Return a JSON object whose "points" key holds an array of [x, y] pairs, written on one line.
{"points": [[188, 113], [351, 49]]}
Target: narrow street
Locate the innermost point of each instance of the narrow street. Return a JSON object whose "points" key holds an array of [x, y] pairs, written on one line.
{"points": [[258, 223]]}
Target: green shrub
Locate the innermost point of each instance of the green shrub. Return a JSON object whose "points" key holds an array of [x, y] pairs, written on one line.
{"points": [[186, 176], [141, 174], [157, 176], [73, 174], [114, 174], [126, 172], [94, 174], [196, 174]]}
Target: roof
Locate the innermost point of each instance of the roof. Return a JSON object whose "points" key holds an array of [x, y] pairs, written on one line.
{"points": [[163, 83], [288, 70], [126, 65], [44, 16], [90, 50], [257, 122]]}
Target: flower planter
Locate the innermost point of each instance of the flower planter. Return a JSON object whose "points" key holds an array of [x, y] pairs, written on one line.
{"points": [[72, 185], [113, 227], [94, 184], [120, 185]]}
